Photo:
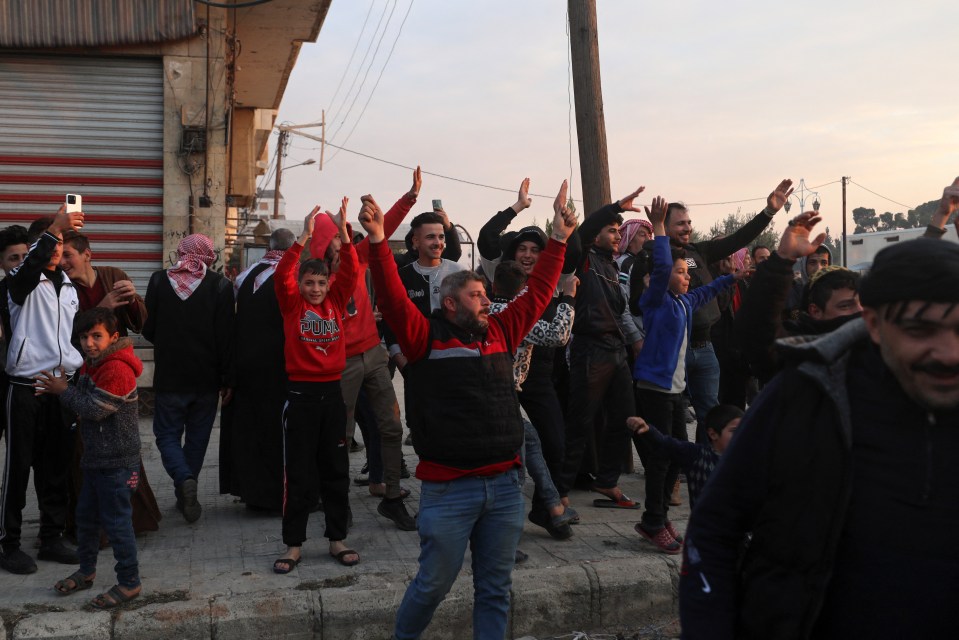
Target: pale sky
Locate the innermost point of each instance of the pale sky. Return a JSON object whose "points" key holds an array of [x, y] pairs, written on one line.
{"points": [[704, 102]]}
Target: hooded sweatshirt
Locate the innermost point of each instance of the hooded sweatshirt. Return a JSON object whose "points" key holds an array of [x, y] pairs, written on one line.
{"points": [[359, 328], [106, 400]]}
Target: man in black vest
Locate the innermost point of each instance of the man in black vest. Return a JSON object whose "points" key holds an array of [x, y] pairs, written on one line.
{"points": [[467, 429]]}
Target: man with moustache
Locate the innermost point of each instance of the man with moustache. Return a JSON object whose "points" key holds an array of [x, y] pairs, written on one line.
{"points": [[843, 472], [467, 428]]}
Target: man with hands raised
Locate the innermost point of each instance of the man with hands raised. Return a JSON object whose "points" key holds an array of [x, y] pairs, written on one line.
{"points": [[468, 431]]}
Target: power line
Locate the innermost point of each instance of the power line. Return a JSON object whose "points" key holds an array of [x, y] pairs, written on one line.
{"points": [[356, 46], [367, 73], [378, 78], [882, 196], [356, 77]]}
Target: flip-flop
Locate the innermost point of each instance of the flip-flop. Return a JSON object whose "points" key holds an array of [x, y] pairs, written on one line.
{"points": [[342, 554], [609, 503], [112, 599], [285, 565], [80, 583]]}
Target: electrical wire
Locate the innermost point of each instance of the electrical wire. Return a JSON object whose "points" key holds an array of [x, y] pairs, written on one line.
{"points": [[367, 73], [336, 111], [356, 46], [238, 5], [882, 196], [378, 78]]}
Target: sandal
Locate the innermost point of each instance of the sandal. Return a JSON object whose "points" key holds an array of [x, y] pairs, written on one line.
{"points": [[112, 598], [285, 565], [339, 557], [74, 582]]}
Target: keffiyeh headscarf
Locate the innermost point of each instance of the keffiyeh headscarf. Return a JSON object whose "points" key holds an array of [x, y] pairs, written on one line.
{"points": [[194, 256], [627, 230], [271, 258]]}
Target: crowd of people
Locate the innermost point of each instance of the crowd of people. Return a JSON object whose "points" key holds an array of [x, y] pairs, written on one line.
{"points": [[564, 350]]}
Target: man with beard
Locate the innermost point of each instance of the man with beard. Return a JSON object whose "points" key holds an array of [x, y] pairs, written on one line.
{"points": [[702, 368], [467, 427], [843, 472]]}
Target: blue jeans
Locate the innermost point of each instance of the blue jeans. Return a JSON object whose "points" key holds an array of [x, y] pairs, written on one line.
{"points": [[485, 512], [702, 379], [176, 413], [105, 502], [546, 496]]}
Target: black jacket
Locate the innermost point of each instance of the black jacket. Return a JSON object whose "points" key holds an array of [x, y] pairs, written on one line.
{"points": [[599, 299]]}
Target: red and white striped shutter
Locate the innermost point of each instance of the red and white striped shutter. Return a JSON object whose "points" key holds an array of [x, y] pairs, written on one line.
{"points": [[92, 126]]}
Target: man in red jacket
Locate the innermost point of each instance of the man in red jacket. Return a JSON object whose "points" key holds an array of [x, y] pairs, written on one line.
{"points": [[467, 428]]}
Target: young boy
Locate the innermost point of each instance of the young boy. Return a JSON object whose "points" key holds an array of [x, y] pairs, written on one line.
{"points": [[316, 463], [105, 399], [660, 371], [697, 461]]}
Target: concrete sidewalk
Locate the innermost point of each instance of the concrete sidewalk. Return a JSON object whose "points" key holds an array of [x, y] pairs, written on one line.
{"points": [[214, 578]]}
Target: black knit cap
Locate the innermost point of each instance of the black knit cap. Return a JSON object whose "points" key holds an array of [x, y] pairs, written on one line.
{"points": [[532, 234], [921, 269]]}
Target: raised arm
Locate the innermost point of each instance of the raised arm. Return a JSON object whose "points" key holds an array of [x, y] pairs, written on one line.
{"points": [[284, 278], [394, 217], [345, 282], [947, 206], [488, 239], [759, 319], [521, 314], [714, 250], [452, 251], [658, 290], [409, 326], [24, 278]]}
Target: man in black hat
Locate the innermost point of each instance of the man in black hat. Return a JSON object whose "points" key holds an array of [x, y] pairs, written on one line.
{"points": [[843, 472]]}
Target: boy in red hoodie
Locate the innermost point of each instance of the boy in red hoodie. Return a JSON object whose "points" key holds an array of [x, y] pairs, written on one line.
{"points": [[105, 399], [315, 450]]}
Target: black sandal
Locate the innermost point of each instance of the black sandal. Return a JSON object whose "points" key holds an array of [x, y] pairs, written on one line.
{"points": [[112, 599], [285, 565], [78, 581]]}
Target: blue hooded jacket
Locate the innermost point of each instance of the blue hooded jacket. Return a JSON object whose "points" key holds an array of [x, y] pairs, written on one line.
{"points": [[666, 316]]}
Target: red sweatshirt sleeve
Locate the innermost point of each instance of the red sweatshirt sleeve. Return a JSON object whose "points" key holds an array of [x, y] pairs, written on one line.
{"points": [[284, 278], [411, 327], [391, 222], [523, 312], [345, 281]]}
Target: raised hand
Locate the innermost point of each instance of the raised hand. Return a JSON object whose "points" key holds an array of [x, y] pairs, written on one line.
{"points": [[657, 215], [627, 203], [64, 221], [446, 219], [339, 219], [795, 242], [780, 194], [371, 217], [523, 201], [417, 182], [308, 223], [564, 220], [948, 204]]}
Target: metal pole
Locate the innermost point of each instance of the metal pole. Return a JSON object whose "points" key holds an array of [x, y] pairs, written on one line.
{"points": [[845, 179]]}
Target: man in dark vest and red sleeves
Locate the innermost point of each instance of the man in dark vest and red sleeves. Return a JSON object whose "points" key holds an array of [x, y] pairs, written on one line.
{"points": [[468, 430]]}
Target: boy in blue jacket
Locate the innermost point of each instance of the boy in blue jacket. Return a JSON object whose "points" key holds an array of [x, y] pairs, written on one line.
{"points": [[660, 370]]}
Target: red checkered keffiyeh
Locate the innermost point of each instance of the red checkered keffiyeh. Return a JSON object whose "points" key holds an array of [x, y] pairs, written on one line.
{"points": [[271, 258], [195, 254]]}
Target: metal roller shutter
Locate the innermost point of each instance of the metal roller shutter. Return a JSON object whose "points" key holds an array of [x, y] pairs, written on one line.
{"points": [[92, 126]]}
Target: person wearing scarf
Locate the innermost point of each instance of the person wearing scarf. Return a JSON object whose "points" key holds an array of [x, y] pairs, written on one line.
{"points": [[190, 323]]}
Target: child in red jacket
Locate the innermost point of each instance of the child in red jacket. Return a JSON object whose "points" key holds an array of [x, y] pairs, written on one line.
{"points": [[315, 450]]}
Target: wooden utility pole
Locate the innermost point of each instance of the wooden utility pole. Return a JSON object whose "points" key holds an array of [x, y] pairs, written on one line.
{"points": [[280, 151], [588, 91]]}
